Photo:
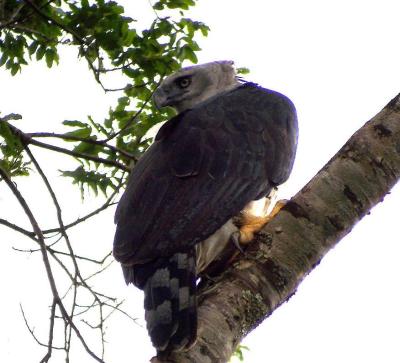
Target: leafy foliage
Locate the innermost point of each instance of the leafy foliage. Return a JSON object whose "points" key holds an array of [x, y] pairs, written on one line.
{"points": [[11, 148], [93, 180], [107, 39]]}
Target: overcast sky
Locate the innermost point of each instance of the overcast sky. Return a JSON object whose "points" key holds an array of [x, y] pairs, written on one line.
{"points": [[339, 62]]}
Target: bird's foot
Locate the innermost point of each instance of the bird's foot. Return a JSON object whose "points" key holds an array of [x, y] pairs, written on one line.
{"points": [[251, 224]]}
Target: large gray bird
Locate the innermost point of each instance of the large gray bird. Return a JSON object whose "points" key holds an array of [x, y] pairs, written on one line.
{"points": [[232, 143]]}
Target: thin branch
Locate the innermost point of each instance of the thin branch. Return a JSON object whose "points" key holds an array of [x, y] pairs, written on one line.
{"points": [[20, 19], [107, 204], [25, 232], [78, 38], [39, 11], [50, 347], [106, 70], [26, 29], [35, 226], [115, 89], [68, 327], [27, 140], [97, 262], [12, 19], [31, 235], [101, 270], [135, 116], [77, 275], [32, 332], [46, 261], [86, 140], [63, 267], [79, 155], [116, 308]]}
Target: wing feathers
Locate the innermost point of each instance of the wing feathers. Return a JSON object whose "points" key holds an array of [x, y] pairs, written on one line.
{"points": [[205, 166], [188, 154]]}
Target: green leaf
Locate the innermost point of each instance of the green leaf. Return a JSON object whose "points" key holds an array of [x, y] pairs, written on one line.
{"points": [[187, 53], [74, 123], [242, 70], [3, 58], [49, 55], [158, 6], [81, 133], [15, 68], [32, 47], [40, 52], [87, 148], [91, 179]]}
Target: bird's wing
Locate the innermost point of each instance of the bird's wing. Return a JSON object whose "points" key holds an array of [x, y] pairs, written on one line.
{"points": [[205, 165]]}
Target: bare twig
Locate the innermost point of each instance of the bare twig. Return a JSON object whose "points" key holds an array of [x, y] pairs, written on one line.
{"points": [[50, 346], [31, 235], [46, 262], [107, 204], [19, 229], [68, 328], [116, 308], [32, 332], [97, 262]]}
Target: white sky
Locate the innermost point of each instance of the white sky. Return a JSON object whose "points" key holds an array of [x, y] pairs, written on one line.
{"points": [[339, 63]]}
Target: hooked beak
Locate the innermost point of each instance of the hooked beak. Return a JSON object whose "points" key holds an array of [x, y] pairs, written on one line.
{"points": [[160, 98]]}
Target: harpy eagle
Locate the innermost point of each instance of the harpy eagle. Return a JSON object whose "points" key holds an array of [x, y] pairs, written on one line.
{"points": [[231, 143]]}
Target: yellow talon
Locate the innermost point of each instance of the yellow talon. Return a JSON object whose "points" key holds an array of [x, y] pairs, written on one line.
{"points": [[251, 224]]}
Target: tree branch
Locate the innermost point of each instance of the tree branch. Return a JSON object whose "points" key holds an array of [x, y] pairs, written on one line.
{"points": [[294, 242], [80, 139], [79, 155], [50, 276], [40, 12], [26, 140], [19, 229]]}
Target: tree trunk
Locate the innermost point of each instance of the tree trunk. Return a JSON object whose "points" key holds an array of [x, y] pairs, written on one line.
{"points": [[294, 242]]}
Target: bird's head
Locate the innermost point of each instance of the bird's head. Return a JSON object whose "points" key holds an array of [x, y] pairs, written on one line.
{"points": [[192, 85]]}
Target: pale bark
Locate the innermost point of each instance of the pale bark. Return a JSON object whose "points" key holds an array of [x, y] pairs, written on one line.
{"points": [[294, 242]]}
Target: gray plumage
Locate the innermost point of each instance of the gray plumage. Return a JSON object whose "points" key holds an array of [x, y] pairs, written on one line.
{"points": [[230, 144]]}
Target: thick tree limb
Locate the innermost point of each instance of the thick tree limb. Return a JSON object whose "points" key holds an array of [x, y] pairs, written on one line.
{"points": [[294, 242]]}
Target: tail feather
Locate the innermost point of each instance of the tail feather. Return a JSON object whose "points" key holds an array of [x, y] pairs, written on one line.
{"points": [[170, 303], [185, 334]]}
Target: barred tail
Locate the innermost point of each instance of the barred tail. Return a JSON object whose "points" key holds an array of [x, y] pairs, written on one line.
{"points": [[170, 303]]}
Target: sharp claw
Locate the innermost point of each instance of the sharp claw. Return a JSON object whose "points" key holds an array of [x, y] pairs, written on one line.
{"points": [[235, 238]]}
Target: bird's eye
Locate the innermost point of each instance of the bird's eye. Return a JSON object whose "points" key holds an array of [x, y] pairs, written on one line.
{"points": [[183, 82]]}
